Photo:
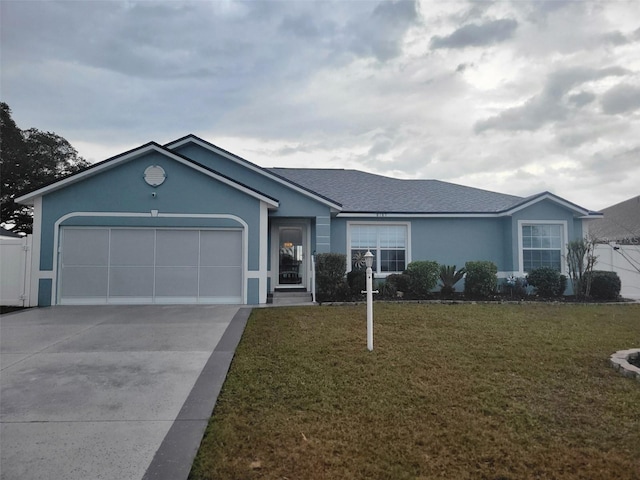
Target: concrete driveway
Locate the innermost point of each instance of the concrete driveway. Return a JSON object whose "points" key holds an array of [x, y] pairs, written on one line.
{"points": [[110, 392]]}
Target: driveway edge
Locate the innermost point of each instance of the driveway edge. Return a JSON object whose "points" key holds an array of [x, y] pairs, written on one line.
{"points": [[175, 456]]}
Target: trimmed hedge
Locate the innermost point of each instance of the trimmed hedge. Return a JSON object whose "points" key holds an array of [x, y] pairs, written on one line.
{"points": [[424, 275], [547, 281], [605, 285], [481, 280], [330, 277]]}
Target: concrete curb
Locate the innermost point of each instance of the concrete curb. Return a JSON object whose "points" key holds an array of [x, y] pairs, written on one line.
{"points": [[175, 456]]}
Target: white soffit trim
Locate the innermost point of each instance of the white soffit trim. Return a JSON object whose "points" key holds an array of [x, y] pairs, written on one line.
{"points": [[250, 166], [145, 149]]}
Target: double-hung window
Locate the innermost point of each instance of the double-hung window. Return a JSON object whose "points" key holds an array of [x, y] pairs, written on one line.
{"points": [[387, 242], [542, 245]]}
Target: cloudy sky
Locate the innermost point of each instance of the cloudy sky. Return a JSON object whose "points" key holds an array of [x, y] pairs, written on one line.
{"points": [[512, 96]]}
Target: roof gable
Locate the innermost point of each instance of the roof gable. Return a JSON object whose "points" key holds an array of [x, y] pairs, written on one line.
{"points": [[576, 209], [265, 172], [130, 155]]}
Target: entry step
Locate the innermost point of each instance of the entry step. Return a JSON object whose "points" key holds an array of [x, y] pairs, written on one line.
{"points": [[291, 298]]}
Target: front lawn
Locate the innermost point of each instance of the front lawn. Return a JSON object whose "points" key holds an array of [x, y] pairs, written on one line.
{"points": [[450, 392]]}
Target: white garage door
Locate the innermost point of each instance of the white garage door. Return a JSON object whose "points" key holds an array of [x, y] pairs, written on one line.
{"points": [[136, 265]]}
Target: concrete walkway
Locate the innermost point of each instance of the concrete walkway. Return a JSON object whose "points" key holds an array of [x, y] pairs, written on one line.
{"points": [[110, 392]]}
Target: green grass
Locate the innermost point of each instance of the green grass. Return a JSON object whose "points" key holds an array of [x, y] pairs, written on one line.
{"points": [[449, 392]]}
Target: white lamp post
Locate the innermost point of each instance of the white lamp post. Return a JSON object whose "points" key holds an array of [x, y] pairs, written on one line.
{"points": [[368, 260]]}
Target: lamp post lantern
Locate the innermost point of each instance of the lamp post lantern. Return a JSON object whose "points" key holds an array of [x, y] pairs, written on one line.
{"points": [[368, 260]]}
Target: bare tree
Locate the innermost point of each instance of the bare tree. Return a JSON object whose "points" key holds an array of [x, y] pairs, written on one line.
{"points": [[581, 260]]}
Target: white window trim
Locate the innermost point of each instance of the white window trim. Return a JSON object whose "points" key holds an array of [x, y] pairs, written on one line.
{"points": [[407, 225], [563, 242]]}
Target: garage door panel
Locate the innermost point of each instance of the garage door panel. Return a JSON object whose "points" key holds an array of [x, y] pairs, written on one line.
{"points": [[220, 281], [176, 281], [84, 282], [131, 281], [177, 248], [220, 248], [85, 247], [132, 247]]}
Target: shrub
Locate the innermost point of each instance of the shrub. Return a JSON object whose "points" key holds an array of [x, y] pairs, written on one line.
{"points": [[562, 287], [481, 280], [357, 280], [605, 285], [423, 277], [388, 291], [400, 281], [515, 287], [449, 276], [330, 277], [546, 280]]}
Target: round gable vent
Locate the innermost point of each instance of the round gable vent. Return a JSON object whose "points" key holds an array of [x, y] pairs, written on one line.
{"points": [[154, 175]]}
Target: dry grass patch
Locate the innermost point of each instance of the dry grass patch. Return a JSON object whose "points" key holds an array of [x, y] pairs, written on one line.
{"points": [[450, 391]]}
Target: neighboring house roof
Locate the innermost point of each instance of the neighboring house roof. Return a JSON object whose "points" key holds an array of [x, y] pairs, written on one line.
{"points": [[621, 222], [135, 153], [361, 192]]}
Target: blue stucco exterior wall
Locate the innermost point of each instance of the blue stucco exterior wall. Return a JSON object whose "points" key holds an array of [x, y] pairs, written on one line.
{"points": [[458, 240], [455, 241], [449, 241]]}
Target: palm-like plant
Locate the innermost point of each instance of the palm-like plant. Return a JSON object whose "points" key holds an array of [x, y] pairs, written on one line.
{"points": [[449, 276]]}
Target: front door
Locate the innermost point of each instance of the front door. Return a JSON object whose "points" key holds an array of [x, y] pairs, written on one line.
{"points": [[291, 256]]}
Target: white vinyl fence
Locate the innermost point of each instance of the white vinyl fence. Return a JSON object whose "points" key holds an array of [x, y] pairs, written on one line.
{"points": [[625, 261], [15, 271]]}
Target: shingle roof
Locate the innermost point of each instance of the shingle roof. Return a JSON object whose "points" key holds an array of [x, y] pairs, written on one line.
{"points": [[621, 222], [364, 192]]}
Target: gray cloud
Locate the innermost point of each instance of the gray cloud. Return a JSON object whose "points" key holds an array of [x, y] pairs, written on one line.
{"points": [[581, 99], [549, 105], [621, 99], [615, 38], [381, 33], [474, 35]]}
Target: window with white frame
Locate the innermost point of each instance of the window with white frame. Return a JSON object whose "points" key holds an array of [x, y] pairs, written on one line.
{"points": [[388, 243], [542, 246]]}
